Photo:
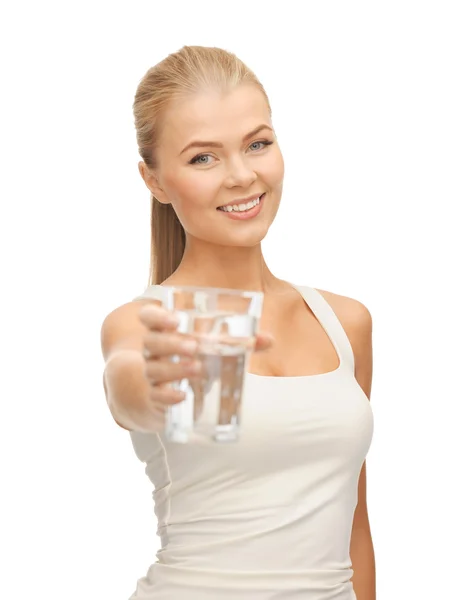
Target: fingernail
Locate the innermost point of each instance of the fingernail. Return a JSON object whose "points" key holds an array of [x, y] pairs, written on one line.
{"points": [[195, 368], [172, 319], [189, 347]]}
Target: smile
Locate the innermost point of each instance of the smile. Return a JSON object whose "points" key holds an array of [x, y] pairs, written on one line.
{"points": [[245, 210]]}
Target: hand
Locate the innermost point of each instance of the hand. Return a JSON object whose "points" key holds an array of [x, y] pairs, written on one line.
{"points": [[161, 342]]}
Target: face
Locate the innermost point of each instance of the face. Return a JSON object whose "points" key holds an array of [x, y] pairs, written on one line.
{"points": [[220, 166]]}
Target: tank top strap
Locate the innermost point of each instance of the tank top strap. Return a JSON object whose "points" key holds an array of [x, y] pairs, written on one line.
{"points": [[330, 323]]}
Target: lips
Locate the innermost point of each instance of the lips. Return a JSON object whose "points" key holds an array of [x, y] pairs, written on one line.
{"points": [[246, 213], [240, 203]]}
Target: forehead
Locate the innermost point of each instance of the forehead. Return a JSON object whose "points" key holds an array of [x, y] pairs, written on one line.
{"points": [[215, 115]]}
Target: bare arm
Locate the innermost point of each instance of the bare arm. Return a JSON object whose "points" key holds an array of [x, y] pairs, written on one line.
{"points": [[127, 390], [361, 546]]}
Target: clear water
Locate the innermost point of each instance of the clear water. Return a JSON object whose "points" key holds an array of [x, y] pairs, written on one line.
{"points": [[212, 404]]}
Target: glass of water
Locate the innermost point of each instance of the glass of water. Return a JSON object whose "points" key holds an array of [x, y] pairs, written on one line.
{"points": [[224, 323]]}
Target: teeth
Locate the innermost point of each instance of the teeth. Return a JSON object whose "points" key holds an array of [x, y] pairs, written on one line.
{"points": [[241, 207]]}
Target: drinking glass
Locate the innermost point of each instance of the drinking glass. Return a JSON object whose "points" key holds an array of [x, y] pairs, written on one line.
{"points": [[224, 323]]}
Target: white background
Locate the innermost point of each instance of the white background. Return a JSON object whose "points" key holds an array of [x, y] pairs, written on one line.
{"points": [[373, 106]]}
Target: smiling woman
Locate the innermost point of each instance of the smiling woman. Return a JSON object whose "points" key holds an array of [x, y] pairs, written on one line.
{"points": [[239, 162], [282, 512]]}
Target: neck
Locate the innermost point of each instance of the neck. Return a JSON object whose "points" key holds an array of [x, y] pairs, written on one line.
{"points": [[224, 267]]}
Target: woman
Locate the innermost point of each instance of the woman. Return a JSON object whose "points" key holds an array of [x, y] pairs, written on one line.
{"points": [[286, 516]]}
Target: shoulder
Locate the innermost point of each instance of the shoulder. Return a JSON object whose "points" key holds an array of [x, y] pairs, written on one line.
{"points": [[352, 313]]}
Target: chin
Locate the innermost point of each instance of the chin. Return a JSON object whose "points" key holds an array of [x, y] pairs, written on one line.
{"points": [[231, 234], [243, 239]]}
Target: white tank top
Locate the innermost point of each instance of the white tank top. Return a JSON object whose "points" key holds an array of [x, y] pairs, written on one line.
{"points": [[270, 516]]}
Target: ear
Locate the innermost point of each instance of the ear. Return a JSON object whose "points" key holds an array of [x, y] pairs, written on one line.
{"points": [[152, 183]]}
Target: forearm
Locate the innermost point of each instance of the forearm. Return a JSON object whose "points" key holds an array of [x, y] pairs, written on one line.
{"points": [[363, 564], [127, 392]]}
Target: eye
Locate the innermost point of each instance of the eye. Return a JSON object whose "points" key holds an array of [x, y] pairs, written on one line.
{"points": [[197, 160], [258, 145]]}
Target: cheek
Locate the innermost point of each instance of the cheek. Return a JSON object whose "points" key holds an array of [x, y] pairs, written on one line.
{"points": [[191, 190], [190, 193], [274, 174]]}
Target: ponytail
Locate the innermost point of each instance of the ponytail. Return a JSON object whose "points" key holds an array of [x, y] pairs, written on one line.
{"points": [[168, 241]]}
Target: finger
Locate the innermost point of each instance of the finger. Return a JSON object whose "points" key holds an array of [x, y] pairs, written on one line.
{"points": [[264, 341], [157, 318], [163, 396], [157, 344], [163, 371]]}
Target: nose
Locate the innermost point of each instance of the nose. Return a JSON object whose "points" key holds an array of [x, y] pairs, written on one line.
{"points": [[240, 174]]}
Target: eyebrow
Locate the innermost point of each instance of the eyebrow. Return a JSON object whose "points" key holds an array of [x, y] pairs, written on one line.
{"points": [[200, 144]]}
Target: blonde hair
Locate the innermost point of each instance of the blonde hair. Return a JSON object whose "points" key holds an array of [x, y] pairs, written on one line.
{"points": [[183, 73]]}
